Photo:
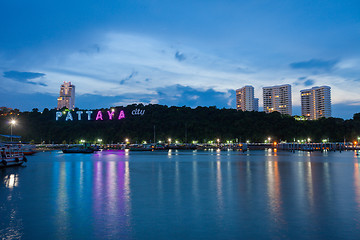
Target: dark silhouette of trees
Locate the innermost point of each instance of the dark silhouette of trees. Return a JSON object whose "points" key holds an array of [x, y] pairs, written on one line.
{"points": [[178, 123]]}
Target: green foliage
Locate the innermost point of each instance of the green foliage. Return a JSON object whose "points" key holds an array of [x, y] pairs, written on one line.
{"points": [[179, 123]]}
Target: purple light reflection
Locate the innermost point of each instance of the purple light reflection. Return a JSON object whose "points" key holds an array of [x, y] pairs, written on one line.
{"points": [[111, 195]]}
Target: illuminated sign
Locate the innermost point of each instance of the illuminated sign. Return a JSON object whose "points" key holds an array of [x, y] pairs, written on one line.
{"points": [[99, 116]]}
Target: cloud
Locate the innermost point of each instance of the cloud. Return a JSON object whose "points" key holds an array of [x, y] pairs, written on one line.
{"points": [[173, 95], [304, 81], [120, 54], [124, 80], [24, 77], [179, 56], [28, 101], [92, 49], [315, 64], [179, 95], [309, 82]]}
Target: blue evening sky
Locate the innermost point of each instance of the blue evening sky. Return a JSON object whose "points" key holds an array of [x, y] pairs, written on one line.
{"points": [[119, 52]]}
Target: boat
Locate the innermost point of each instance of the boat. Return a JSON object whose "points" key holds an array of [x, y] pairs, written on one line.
{"points": [[84, 148], [140, 147], [28, 149], [78, 150], [11, 153]]}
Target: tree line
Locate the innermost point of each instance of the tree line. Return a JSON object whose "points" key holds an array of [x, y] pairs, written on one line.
{"points": [[183, 124]]}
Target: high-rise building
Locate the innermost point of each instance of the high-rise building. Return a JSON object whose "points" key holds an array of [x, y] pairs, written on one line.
{"points": [[245, 98], [256, 104], [316, 102], [67, 96], [278, 98]]}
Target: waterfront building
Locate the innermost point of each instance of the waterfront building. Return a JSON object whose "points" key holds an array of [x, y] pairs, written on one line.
{"points": [[256, 104], [245, 98], [316, 102], [67, 96], [277, 98]]}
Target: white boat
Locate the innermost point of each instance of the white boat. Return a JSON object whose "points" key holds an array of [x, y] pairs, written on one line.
{"points": [[11, 153]]}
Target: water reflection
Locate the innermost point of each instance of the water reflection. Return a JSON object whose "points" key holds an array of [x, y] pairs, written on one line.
{"points": [[219, 195], [11, 180], [357, 183], [219, 185], [107, 182], [274, 189], [11, 222]]}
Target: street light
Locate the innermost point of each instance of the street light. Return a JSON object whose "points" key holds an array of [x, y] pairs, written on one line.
{"points": [[169, 140], [12, 123]]}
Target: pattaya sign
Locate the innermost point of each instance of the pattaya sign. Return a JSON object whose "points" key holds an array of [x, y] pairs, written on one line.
{"points": [[99, 115]]}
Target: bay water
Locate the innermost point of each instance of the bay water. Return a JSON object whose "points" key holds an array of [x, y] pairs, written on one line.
{"points": [[182, 195]]}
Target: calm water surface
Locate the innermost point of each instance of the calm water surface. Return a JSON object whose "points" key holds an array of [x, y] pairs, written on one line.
{"points": [[182, 195]]}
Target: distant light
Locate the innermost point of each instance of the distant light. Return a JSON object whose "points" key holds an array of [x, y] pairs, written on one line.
{"points": [[99, 140], [126, 140], [169, 140], [113, 110], [12, 122]]}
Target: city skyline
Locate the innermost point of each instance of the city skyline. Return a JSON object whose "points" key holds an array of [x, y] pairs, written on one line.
{"points": [[183, 53]]}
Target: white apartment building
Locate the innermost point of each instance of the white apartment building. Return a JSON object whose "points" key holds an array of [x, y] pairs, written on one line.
{"points": [[245, 98], [316, 102], [278, 98], [67, 96]]}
